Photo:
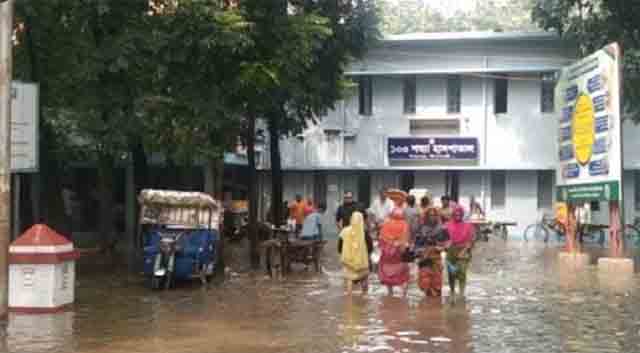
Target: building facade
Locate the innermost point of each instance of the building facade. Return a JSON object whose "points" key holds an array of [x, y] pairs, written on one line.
{"points": [[464, 114]]}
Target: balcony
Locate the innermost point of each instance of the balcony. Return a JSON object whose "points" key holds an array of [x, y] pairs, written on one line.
{"points": [[434, 124]]}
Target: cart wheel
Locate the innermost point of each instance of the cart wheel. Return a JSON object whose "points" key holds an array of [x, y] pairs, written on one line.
{"points": [[504, 233], [203, 275], [155, 282], [168, 279]]}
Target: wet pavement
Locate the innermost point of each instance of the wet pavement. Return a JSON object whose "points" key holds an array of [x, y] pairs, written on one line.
{"points": [[519, 300]]}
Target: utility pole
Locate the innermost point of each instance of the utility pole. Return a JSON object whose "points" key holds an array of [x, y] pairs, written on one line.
{"points": [[6, 46]]}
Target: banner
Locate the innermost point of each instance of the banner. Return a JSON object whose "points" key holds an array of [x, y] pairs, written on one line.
{"points": [[432, 148], [589, 128]]}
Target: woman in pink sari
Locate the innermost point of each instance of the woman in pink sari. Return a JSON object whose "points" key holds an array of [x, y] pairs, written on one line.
{"points": [[459, 252], [394, 240]]}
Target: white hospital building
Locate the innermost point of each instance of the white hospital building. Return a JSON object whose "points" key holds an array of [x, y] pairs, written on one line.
{"points": [[456, 113]]}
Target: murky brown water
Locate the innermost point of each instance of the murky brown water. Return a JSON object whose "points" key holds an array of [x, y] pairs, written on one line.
{"points": [[519, 300]]}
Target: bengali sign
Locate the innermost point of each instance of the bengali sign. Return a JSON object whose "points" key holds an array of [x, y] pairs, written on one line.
{"points": [[589, 147], [432, 148], [24, 127]]}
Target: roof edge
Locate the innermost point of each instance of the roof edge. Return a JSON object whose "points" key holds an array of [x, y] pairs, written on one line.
{"points": [[469, 36]]}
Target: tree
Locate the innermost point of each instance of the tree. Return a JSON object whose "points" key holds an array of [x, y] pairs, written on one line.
{"points": [[131, 75], [594, 24], [94, 74], [295, 71]]}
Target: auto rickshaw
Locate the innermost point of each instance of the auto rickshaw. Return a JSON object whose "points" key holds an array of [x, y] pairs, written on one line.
{"points": [[179, 234]]}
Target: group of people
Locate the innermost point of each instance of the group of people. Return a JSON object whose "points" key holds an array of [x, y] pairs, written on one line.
{"points": [[407, 234]]}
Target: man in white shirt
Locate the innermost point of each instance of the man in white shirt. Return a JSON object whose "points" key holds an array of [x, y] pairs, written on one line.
{"points": [[583, 216], [381, 207]]}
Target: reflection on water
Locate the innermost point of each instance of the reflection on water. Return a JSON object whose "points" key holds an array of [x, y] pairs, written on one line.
{"points": [[519, 300]]}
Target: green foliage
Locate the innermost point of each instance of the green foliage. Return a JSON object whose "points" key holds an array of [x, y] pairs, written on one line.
{"points": [[182, 76], [593, 24], [194, 68], [296, 68], [113, 71]]}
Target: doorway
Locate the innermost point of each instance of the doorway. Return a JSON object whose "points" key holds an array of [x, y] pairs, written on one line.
{"points": [[320, 188], [452, 184], [407, 181], [364, 189]]}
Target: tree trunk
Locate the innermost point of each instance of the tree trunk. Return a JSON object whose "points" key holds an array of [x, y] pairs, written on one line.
{"points": [[214, 173], [254, 256], [105, 188], [214, 177], [276, 171], [140, 166], [47, 198], [136, 180]]}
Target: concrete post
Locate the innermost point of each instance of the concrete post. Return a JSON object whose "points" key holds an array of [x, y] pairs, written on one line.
{"points": [[6, 31]]}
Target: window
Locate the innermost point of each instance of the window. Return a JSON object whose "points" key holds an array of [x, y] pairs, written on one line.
{"points": [[454, 85], [365, 95], [545, 189], [500, 91], [498, 189], [409, 92], [547, 88], [636, 188]]}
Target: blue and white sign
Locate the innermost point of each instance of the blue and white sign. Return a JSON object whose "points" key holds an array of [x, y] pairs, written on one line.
{"points": [[571, 170], [600, 103], [567, 114], [571, 93], [432, 148], [599, 167], [566, 153], [602, 123], [600, 145]]}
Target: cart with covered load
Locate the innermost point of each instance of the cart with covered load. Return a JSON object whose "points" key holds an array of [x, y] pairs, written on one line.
{"points": [[179, 235]]}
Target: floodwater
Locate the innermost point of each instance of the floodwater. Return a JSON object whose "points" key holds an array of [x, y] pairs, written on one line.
{"points": [[519, 300]]}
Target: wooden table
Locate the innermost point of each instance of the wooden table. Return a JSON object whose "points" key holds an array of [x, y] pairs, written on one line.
{"points": [[498, 228], [282, 250]]}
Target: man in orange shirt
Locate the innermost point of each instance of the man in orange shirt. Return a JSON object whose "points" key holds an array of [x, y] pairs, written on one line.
{"points": [[298, 212]]}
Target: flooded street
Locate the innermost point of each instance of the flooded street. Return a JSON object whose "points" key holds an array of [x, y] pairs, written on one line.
{"points": [[519, 300]]}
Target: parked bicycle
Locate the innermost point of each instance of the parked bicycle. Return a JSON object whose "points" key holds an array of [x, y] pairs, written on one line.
{"points": [[632, 231], [543, 229], [548, 226]]}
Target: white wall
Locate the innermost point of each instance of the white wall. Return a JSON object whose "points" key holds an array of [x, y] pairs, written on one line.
{"points": [[521, 139], [400, 58], [433, 180], [473, 183]]}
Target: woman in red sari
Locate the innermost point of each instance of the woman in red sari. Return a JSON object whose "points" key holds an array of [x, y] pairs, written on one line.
{"points": [[394, 240], [459, 252], [431, 240]]}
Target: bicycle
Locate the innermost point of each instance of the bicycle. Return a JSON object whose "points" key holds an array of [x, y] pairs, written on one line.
{"points": [[542, 230], [632, 231], [547, 225]]}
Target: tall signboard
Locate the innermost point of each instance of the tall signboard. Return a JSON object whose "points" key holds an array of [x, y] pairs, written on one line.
{"points": [[24, 127], [589, 128]]}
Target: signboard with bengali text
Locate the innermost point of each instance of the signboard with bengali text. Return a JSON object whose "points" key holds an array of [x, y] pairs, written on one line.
{"points": [[589, 128], [432, 148], [24, 127]]}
